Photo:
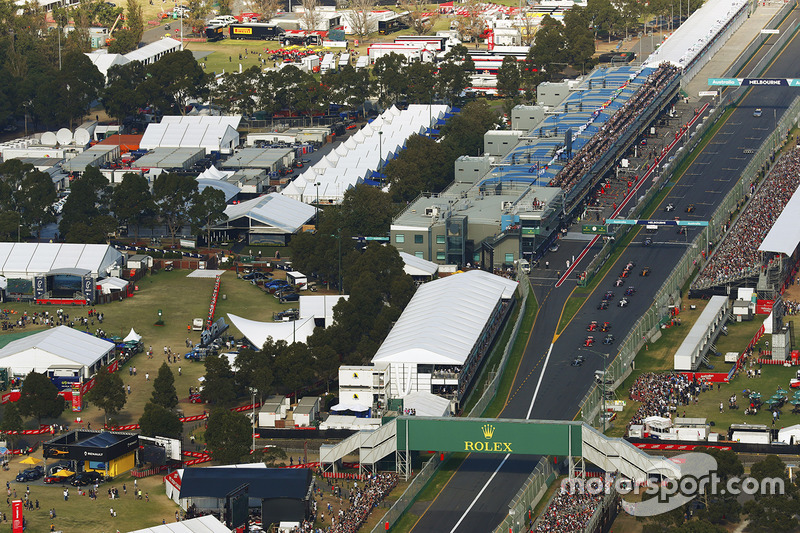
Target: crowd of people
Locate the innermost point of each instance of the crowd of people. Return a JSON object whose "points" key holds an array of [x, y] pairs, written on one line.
{"points": [[567, 512], [661, 394], [737, 255], [610, 132]]}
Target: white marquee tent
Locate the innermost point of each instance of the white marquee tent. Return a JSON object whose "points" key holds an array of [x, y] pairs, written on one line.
{"points": [[258, 332]]}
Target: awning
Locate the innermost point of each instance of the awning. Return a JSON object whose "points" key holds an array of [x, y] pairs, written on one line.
{"points": [[132, 337], [347, 406]]}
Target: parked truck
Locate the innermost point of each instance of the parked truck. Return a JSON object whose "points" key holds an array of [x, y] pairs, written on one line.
{"points": [[255, 31]]}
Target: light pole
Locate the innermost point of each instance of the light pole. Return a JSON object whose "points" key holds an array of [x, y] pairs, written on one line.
{"points": [[316, 213], [380, 149], [19, 229], [339, 238]]}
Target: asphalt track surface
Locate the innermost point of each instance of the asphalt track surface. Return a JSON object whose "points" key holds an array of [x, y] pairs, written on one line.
{"points": [[476, 497]]}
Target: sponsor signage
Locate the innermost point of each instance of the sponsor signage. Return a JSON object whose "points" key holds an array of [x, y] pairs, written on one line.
{"points": [[768, 31], [215, 330], [39, 287], [489, 436], [594, 229], [648, 222], [88, 289], [76, 398], [16, 516], [764, 307], [530, 231], [755, 82], [725, 82], [776, 82], [243, 31], [708, 93]]}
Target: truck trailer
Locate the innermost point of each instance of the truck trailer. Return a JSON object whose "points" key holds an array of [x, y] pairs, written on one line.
{"points": [[255, 31]]}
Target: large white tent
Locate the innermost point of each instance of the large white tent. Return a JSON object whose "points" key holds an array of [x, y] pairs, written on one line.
{"points": [[26, 260], [58, 348], [203, 524], [784, 235], [258, 332], [269, 218], [417, 267], [212, 133]]}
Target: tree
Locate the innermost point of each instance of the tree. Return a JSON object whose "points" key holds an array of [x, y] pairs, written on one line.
{"points": [[255, 367], [225, 7], [132, 201], [238, 92], [135, 21], [123, 95], [124, 41], [423, 166], [164, 393], [219, 385], [454, 72], [366, 211], [389, 78], [471, 21], [196, 18], [35, 197], [604, 16], [108, 392], [228, 436], [550, 45], [509, 78], [88, 200], [267, 8], [174, 195], [421, 19], [580, 42], [208, 209], [79, 85], [158, 421], [311, 17], [272, 455], [361, 17], [174, 80], [39, 398], [11, 424]]}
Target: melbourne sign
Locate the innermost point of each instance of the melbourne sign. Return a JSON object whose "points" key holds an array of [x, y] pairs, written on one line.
{"points": [[527, 437]]}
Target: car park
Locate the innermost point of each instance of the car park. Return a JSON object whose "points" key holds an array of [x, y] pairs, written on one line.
{"points": [[82, 479], [30, 474], [645, 271]]}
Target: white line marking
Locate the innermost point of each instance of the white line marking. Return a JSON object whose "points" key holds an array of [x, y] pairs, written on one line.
{"points": [[496, 470]]}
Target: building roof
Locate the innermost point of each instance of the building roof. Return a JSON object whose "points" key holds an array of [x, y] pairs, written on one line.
{"points": [[153, 50], [203, 524], [444, 319], [416, 266], [76, 346], [274, 210], [265, 483], [426, 404], [208, 132], [41, 258]]}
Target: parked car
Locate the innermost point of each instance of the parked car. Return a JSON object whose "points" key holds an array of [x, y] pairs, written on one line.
{"points": [[82, 479], [30, 474], [256, 276], [53, 478], [291, 297]]}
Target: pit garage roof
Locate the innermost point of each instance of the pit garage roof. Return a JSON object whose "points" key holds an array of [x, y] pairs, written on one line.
{"points": [[275, 210], [784, 236], [203, 524], [444, 319], [52, 346], [28, 259]]}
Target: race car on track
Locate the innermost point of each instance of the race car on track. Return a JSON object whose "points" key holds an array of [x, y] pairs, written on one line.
{"points": [[589, 342], [592, 326]]}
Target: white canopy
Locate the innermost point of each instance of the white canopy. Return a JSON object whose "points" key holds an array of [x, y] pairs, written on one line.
{"points": [[784, 236], [426, 404], [132, 337], [349, 406], [109, 285], [258, 332], [416, 266]]}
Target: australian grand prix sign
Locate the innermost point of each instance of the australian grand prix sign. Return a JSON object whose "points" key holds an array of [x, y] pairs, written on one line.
{"points": [[527, 437]]}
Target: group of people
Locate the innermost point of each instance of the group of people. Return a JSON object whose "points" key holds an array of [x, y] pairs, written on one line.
{"points": [[45, 318], [659, 394], [737, 255], [610, 132], [567, 512]]}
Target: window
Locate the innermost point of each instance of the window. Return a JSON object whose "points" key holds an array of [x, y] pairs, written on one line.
{"points": [[476, 257], [399, 238], [440, 256], [440, 239], [421, 255], [418, 239], [510, 258]]}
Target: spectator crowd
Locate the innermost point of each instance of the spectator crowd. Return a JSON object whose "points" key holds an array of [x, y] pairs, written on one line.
{"points": [[567, 512], [737, 255], [661, 394]]}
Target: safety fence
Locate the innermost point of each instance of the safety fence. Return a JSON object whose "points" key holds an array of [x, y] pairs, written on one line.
{"points": [[410, 494]]}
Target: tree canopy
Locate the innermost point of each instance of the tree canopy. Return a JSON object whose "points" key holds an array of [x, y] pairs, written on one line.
{"points": [[39, 398], [108, 392]]}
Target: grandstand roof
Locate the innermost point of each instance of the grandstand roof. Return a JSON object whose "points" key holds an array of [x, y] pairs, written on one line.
{"points": [[444, 319], [784, 236]]}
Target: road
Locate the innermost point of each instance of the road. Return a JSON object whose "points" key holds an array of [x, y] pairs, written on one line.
{"points": [[546, 386]]}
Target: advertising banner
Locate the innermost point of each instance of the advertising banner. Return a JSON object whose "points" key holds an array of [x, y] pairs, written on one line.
{"points": [[76, 398], [16, 516], [764, 307]]}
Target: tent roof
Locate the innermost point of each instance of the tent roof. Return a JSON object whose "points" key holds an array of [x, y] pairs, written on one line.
{"points": [[258, 332], [426, 404], [62, 341], [784, 236], [42, 258], [319, 306], [276, 210], [153, 49], [132, 336], [416, 266], [228, 189], [444, 319], [265, 483], [204, 524], [114, 282]]}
